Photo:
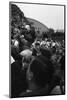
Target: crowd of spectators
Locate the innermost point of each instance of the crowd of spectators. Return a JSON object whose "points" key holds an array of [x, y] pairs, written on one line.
{"points": [[37, 63]]}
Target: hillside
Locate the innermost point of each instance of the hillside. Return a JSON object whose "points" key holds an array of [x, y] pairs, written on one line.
{"points": [[38, 25]]}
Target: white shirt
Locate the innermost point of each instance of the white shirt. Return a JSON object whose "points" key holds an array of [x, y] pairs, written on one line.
{"points": [[12, 60]]}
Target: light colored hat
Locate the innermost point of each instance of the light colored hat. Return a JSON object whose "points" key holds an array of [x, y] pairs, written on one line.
{"points": [[26, 53]]}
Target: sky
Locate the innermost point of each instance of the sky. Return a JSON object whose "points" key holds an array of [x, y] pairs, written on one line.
{"points": [[50, 15]]}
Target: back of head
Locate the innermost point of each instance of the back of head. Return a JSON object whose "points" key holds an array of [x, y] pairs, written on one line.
{"points": [[46, 52], [42, 71]]}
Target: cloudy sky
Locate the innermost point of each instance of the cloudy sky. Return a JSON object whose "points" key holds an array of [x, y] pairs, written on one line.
{"points": [[50, 15]]}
